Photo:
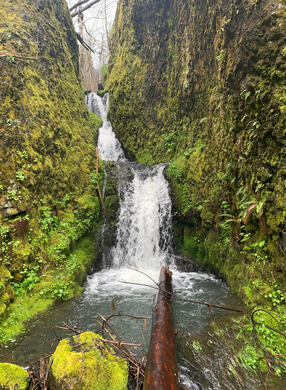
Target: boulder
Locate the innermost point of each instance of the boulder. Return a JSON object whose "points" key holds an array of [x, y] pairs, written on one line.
{"points": [[85, 362], [13, 377]]}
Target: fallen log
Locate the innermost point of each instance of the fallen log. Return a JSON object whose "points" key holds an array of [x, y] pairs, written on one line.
{"points": [[161, 369]]}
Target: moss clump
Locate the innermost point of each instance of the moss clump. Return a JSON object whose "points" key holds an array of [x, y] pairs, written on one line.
{"points": [[91, 365], [13, 377]]}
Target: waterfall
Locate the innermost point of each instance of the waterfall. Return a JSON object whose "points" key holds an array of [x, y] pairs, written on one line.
{"points": [[109, 147], [143, 229]]}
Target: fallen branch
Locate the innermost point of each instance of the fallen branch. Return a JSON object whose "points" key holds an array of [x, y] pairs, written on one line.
{"points": [[84, 44], [78, 4], [136, 367], [67, 327]]}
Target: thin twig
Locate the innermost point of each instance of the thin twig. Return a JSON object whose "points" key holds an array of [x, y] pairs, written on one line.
{"points": [[172, 295], [148, 276]]}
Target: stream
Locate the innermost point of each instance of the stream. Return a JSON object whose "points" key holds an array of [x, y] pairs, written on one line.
{"points": [[143, 243]]}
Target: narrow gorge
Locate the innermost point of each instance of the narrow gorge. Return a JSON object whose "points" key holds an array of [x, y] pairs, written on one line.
{"points": [[176, 157]]}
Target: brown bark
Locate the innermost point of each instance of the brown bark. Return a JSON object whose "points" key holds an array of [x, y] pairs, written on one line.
{"points": [[161, 370]]}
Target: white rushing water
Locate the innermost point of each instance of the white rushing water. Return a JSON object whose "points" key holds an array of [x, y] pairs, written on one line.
{"points": [[143, 237]]}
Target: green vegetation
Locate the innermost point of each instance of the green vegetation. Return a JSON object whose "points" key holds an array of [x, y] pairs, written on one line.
{"points": [[90, 365]]}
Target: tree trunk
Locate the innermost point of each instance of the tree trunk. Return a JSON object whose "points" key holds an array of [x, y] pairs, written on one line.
{"points": [[161, 370]]}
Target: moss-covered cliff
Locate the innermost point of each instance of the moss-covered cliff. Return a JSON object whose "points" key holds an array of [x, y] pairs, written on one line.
{"points": [[47, 154], [202, 84]]}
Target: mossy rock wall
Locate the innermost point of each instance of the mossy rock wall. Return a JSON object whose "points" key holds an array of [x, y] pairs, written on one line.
{"points": [[47, 148], [202, 84]]}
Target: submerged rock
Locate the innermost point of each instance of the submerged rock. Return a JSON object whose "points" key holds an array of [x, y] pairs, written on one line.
{"points": [[84, 362], [13, 377]]}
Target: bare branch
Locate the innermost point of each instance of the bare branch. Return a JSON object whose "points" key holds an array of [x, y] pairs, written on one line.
{"points": [[78, 4], [75, 13]]}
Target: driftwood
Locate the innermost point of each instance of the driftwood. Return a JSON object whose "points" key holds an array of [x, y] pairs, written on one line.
{"points": [[161, 369]]}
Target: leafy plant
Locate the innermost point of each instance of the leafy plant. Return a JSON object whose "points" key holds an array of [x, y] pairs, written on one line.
{"points": [[31, 278], [20, 175], [13, 195], [94, 177], [170, 141]]}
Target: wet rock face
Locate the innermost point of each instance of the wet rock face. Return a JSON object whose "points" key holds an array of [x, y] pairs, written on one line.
{"points": [[84, 362]]}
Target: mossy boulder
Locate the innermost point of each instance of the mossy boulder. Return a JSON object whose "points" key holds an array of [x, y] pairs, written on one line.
{"points": [[84, 362], [13, 377]]}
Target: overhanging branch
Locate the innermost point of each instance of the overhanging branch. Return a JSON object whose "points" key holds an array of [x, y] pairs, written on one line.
{"points": [[78, 4], [75, 13]]}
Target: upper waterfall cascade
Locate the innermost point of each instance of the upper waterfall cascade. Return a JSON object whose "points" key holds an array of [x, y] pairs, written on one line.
{"points": [[109, 147]]}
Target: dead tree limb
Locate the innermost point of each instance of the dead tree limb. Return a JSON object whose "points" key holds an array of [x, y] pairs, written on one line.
{"points": [[75, 13], [174, 296], [78, 4], [161, 369]]}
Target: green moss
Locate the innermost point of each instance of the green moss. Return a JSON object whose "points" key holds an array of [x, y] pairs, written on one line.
{"points": [[13, 377], [90, 365], [95, 122]]}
